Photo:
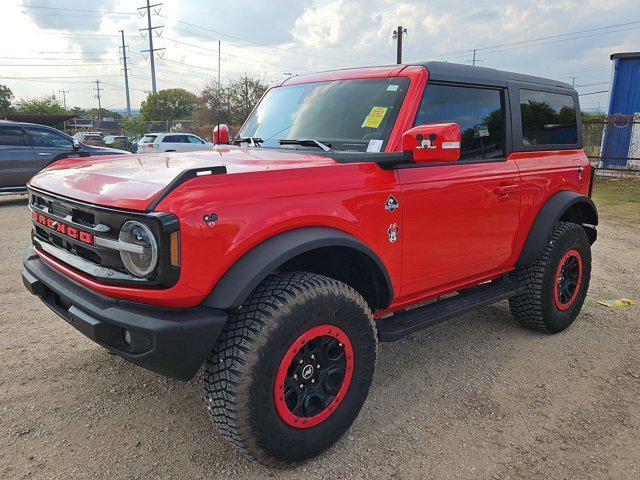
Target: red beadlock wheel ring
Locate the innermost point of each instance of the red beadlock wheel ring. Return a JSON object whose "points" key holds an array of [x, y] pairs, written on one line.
{"points": [[313, 376], [567, 280]]}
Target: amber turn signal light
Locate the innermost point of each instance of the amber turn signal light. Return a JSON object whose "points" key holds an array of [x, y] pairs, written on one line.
{"points": [[174, 247]]}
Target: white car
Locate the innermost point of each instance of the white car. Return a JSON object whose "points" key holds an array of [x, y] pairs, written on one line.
{"points": [[172, 142]]}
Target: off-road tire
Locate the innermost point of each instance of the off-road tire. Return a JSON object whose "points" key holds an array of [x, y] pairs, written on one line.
{"points": [[241, 370], [536, 308]]}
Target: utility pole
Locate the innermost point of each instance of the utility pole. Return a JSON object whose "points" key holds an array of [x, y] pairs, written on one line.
{"points": [[219, 96], [97, 89], [126, 74], [64, 97], [474, 57], [246, 96], [573, 81], [64, 103], [397, 35], [151, 50]]}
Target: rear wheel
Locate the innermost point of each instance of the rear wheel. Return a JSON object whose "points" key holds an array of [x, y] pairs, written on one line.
{"points": [[556, 283], [292, 368]]}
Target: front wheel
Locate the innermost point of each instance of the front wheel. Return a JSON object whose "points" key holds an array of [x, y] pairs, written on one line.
{"points": [[292, 368], [556, 283]]}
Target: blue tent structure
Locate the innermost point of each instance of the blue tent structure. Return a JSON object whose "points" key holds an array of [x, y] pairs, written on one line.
{"points": [[618, 144]]}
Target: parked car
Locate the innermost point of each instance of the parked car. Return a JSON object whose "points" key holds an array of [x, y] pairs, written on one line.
{"points": [[365, 205], [171, 142], [117, 141], [90, 138], [27, 148]]}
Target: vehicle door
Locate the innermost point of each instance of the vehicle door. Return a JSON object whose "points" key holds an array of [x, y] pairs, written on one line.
{"points": [[51, 145], [17, 159], [195, 143], [461, 218], [172, 143]]}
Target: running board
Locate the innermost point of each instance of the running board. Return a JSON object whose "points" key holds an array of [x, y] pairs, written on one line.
{"points": [[406, 322]]}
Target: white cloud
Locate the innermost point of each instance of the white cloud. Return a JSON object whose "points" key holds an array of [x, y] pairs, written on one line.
{"points": [[293, 36]]}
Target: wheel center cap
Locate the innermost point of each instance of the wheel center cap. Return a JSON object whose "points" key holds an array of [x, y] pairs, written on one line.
{"points": [[307, 372]]}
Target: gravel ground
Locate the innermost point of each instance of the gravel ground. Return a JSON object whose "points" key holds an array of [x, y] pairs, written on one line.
{"points": [[477, 397]]}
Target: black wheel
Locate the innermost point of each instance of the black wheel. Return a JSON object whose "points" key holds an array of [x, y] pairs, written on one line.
{"points": [[556, 283], [292, 368]]}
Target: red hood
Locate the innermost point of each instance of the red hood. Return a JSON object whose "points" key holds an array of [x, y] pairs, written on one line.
{"points": [[133, 181]]}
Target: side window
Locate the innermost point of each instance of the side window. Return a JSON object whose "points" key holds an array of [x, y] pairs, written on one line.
{"points": [[171, 139], [49, 138], [12, 136], [478, 111], [548, 118], [194, 139]]}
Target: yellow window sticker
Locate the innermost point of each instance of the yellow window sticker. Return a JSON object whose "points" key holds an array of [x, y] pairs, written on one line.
{"points": [[375, 117]]}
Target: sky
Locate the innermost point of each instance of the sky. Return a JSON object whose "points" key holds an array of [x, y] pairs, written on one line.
{"points": [[50, 46]]}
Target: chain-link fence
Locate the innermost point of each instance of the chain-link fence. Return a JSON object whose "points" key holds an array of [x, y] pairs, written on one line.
{"points": [[612, 142]]}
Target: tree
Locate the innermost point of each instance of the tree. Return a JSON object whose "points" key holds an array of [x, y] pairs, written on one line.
{"points": [[47, 105], [78, 111], [235, 101], [6, 97], [134, 127], [170, 104], [104, 113]]}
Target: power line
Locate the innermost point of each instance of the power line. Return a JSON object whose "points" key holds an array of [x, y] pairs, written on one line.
{"points": [[48, 78], [179, 42], [93, 64], [560, 35], [592, 93], [53, 58], [348, 62], [79, 34], [559, 41], [497, 48], [104, 12], [592, 84]]}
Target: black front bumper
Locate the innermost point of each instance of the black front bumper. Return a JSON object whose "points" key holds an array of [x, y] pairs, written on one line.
{"points": [[171, 342]]}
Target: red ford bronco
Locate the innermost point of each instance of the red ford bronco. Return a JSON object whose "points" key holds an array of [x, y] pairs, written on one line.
{"points": [[362, 206]]}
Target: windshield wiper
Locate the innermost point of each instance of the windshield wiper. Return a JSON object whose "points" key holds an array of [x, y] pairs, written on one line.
{"points": [[252, 141], [308, 142]]}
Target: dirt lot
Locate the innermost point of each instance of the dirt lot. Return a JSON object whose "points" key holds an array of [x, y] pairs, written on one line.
{"points": [[477, 397]]}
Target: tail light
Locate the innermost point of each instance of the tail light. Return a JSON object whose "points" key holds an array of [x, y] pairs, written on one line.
{"points": [[593, 176], [150, 145]]}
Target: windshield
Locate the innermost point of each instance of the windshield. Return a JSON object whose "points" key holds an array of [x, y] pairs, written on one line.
{"points": [[350, 115]]}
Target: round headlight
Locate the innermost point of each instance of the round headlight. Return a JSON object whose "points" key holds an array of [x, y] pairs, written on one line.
{"points": [[142, 262]]}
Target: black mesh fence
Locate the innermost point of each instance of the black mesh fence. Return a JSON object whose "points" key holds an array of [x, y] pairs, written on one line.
{"points": [[612, 142]]}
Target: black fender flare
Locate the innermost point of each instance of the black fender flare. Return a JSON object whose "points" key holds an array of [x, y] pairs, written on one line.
{"points": [[254, 266], [548, 216]]}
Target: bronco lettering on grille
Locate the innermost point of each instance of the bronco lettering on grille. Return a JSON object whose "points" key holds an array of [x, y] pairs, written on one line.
{"points": [[71, 232]]}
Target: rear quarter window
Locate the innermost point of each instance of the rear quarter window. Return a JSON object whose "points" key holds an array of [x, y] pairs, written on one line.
{"points": [[148, 139], [548, 118], [11, 136], [173, 139]]}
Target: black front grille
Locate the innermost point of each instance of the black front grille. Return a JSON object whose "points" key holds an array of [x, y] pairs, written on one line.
{"points": [[97, 261]]}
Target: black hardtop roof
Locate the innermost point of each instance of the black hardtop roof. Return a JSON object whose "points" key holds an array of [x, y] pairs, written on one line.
{"points": [[455, 72]]}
